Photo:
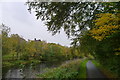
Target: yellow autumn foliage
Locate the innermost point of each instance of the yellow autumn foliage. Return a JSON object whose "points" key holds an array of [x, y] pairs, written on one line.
{"points": [[105, 25], [117, 51]]}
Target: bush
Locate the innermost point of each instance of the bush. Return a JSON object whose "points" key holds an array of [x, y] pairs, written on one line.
{"points": [[68, 70]]}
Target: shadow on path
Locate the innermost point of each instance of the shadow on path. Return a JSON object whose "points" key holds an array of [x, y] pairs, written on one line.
{"points": [[93, 72]]}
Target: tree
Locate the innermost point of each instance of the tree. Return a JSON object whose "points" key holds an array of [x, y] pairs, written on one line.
{"points": [[106, 25], [72, 16], [103, 40], [5, 43], [5, 30], [18, 53]]}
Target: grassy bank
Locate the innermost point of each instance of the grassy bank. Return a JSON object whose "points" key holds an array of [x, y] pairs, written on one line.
{"points": [[82, 73], [73, 69]]}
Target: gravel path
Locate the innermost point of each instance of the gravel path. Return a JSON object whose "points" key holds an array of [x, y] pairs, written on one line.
{"points": [[92, 71]]}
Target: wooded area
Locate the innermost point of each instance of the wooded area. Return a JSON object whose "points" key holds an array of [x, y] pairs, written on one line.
{"points": [[18, 53], [94, 29]]}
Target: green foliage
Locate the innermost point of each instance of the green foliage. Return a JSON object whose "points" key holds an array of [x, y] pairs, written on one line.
{"points": [[106, 50], [18, 53], [68, 70], [103, 44], [74, 69], [75, 18], [75, 15], [82, 72]]}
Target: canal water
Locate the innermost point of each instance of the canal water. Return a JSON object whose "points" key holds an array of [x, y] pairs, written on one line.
{"points": [[28, 72]]}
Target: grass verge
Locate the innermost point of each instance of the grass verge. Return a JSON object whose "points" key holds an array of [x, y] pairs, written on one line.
{"points": [[67, 70], [74, 69], [82, 73]]}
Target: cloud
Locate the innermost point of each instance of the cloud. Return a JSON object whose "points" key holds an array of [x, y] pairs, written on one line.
{"points": [[16, 16]]}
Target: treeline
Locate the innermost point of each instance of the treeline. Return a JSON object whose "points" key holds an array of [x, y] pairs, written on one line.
{"points": [[18, 53]]}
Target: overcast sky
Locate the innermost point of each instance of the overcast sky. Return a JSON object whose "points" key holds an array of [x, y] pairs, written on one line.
{"points": [[16, 16]]}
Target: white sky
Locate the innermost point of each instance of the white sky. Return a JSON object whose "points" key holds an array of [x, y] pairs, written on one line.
{"points": [[16, 16]]}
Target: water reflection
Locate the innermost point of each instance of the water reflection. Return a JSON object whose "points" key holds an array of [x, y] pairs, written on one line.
{"points": [[28, 72]]}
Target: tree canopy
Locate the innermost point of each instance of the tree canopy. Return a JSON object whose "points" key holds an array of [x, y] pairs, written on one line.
{"points": [[71, 16]]}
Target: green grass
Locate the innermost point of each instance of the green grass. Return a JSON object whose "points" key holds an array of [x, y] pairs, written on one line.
{"points": [[82, 73], [96, 63], [74, 69], [67, 70]]}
